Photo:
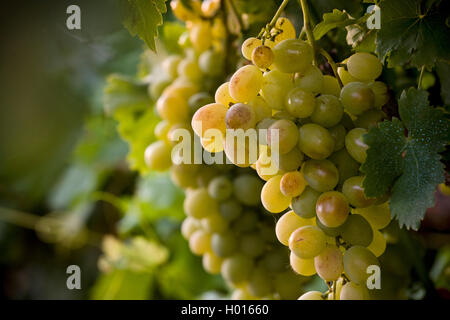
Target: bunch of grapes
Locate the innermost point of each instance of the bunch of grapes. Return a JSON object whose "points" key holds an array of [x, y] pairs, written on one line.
{"points": [[226, 223], [312, 129]]}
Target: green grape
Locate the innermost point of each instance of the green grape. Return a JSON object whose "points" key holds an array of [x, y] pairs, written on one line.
{"points": [[357, 97], [354, 191], [290, 161], [200, 242], [199, 204], [237, 268], [262, 57], [321, 175], [158, 156], [287, 133], [378, 244], [275, 87], [315, 141], [214, 223], [222, 95], [300, 103], [304, 267], [311, 80], [287, 224], [293, 55], [157, 86], [332, 209], [161, 130], [288, 285], [211, 63], [345, 164], [258, 284], [189, 226], [240, 116], [172, 108], [364, 66], [345, 76], [338, 133], [223, 244], [247, 222], [283, 115], [330, 86], [170, 65], [189, 69], [353, 291], [378, 216], [369, 119], [249, 46], [284, 30], [328, 111], [357, 231], [329, 263], [212, 263], [347, 122], [184, 175], [252, 244], [355, 145], [272, 198], [332, 232], [230, 209], [274, 260], [242, 294], [220, 188], [211, 116], [292, 184], [261, 108], [356, 261], [311, 295], [305, 204], [264, 124], [245, 83], [307, 242], [200, 35], [381, 93], [247, 189], [199, 100]]}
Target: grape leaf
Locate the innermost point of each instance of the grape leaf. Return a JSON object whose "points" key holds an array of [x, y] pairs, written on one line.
{"points": [[409, 164], [413, 33], [142, 18], [332, 20]]}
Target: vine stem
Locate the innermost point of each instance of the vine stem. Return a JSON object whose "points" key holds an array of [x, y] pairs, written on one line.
{"points": [[332, 64], [307, 26], [274, 19], [422, 70]]}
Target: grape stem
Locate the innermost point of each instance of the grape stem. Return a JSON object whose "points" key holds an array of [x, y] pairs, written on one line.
{"points": [[332, 64], [307, 27], [271, 24], [422, 70]]}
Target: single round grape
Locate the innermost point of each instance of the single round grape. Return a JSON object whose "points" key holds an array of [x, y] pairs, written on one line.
{"points": [[222, 95], [287, 224], [230, 209], [248, 46], [252, 244], [345, 76], [321, 175], [172, 108], [199, 204], [307, 242], [158, 156], [330, 86], [189, 226], [200, 35], [223, 244], [199, 100], [378, 216], [304, 267], [200, 242], [381, 93], [258, 284], [356, 261], [329, 263], [338, 133], [311, 80], [305, 204], [353, 291], [237, 268], [210, 7], [262, 127], [261, 108], [189, 69], [357, 231], [315, 141], [357, 97], [214, 223], [212, 263], [211, 63], [311, 295], [328, 111], [284, 132], [355, 145], [293, 55], [369, 119], [332, 209], [271, 197], [300, 103], [275, 87], [262, 57], [354, 192], [220, 188], [245, 83], [346, 165], [211, 116], [292, 184], [378, 244], [170, 65], [240, 116], [290, 161], [364, 66], [284, 30], [247, 189], [288, 285]]}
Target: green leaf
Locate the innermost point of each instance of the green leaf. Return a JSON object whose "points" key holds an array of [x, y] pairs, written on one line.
{"points": [[410, 165], [332, 20], [142, 18], [412, 34]]}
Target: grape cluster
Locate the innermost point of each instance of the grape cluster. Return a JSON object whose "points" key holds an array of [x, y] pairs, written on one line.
{"points": [[331, 228], [226, 223]]}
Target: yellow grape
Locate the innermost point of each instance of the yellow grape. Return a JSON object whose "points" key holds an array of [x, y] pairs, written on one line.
{"points": [[245, 83], [345, 76], [272, 198], [331, 86], [311, 295], [353, 291], [200, 35], [214, 223], [210, 7], [261, 108], [378, 245], [184, 175], [182, 88], [222, 95], [304, 267], [158, 156], [307, 242], [161, 130], [200, 242], [213, 143], [262, 57], [212, 263], [292, 184], [284, 30], [248, 46], [183, 13], [170, 65], [211, 116], [198, 204], [287, 224], [329, 263], [172, 108], [239, 153], [378, 216], [189, 226], [275, 87], [188, 68]]}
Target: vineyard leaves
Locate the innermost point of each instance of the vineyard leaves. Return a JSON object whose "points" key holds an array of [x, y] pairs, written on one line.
{"points": [[411, 165], [142, 18]]}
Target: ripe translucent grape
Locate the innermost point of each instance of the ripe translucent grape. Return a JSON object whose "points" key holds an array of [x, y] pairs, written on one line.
{"points": [[293, 55], [287, 224], [245, 83], [189, 226], [378, 244], [292, 184], [248, 46], [200, 35], [284, 29], [357, 231], [261, 108], [287, 135], [199, 204], [321, 175], [330, 86], [345, 76], [364, 66], [289, 161], [189, 69], [354, 192], [214, 223], [356, 261], [240, 116], [328, 111], [307, 242], [200, 242], [262, 57], [315, 141], [311, 295], [211, 116], [329, 263], [304, 267], [172, 108], [199, 100], [300, 103], [310, 80], [357, 97], [271, 197], [353, 291], [222, 95], [332, 209], [275, 87], [158, 156], [212, 263], [170, 65], [378, 216], [355, 145], [305, 204]]}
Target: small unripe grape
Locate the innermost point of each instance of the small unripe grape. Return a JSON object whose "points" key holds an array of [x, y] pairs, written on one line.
{"points": [[364, 66], [355, 145], [293, 55], [300, 103]]}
